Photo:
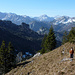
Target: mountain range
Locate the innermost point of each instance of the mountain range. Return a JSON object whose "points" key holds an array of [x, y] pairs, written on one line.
{"points": [[42, 24], [21, 36], [26, 34], [60, 23]]}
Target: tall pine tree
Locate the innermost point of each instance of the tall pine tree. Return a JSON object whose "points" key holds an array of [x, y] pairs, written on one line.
{"points": [[7, 57], [42, 44], [3, 57], [11, 55], [50, 42], [71, 35], [65, 37]]}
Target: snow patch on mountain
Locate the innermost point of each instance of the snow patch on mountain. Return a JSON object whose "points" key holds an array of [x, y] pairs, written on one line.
{"points": [[64, 20], [17, 19], [44, 18]]}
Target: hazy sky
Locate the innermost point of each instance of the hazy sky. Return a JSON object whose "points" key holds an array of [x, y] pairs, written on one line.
{"points": [[39, 7]]}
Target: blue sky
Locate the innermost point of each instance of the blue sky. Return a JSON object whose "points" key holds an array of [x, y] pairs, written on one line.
{"points": [[39, 7]]}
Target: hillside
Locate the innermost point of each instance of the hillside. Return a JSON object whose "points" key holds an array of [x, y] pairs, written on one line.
{"points": [[52, 63], [21, 36]]}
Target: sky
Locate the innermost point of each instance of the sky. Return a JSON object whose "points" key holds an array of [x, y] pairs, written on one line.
{"points": [[39, 7]]}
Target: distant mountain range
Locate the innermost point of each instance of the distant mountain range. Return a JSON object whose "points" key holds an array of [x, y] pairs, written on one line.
{"points": [[44, 18], [60, 23], [42, 24], [17, 19]]}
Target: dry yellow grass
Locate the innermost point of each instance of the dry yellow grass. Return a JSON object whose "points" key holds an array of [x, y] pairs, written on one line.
{"points": [[48, 64]]}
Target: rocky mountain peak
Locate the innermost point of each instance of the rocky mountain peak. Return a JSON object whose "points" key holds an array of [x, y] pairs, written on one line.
{"points": [[25, 25]]}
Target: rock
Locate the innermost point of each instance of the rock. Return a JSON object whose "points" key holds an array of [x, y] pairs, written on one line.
{"points": [[37, 55]]}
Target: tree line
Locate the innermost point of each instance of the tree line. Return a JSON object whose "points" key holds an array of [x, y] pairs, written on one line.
{"points": [[7, 57], [69, 37], [49, 41]]}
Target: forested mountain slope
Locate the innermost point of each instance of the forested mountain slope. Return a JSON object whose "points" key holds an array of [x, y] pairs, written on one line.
{"points": [[22, 37]]}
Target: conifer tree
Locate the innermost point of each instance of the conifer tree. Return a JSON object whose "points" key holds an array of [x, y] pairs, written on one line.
{"points": [[42, 44], [11, 55], [43, 41], [65, 37], [7, 57], [3, 57], [50, 42], [71, 35]]}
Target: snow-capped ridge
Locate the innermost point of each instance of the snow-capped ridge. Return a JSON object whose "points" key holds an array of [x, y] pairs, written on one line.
{"points": [[44, 18], [64, 20]]}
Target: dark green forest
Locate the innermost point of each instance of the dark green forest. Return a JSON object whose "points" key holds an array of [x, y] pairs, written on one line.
{"points": [[7, 57], [21, 36], [69, 37], [49, 42]]}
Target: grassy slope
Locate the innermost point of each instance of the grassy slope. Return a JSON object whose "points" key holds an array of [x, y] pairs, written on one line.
{"points": [[48, 64]]}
